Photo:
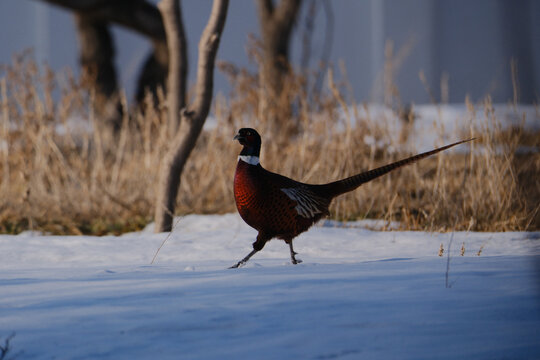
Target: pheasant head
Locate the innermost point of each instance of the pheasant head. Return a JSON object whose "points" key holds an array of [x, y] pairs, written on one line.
{"points": [[251, 140]]}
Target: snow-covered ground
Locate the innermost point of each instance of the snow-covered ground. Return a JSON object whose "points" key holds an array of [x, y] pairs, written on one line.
{"points": [[359, 294]]}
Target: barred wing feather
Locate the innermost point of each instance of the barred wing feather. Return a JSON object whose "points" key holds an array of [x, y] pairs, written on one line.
{"points": [[308, 204]]}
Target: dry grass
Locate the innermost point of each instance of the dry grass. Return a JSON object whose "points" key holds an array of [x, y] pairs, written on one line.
{"points": [[63, 171]]}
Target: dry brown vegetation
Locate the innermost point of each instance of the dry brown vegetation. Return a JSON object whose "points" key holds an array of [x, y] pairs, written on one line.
{"points": [[64, 171]]}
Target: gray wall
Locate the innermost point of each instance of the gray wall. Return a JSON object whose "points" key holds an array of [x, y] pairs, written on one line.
{"points": [[472, 41]]}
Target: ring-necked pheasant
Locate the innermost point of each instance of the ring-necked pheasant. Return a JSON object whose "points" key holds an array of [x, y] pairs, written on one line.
{"points": [[279, 207]]}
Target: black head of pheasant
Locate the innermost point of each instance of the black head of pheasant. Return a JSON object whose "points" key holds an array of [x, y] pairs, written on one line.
{"points": [[251, 140]]}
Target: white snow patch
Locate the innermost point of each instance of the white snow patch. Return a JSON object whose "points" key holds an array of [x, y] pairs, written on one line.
{"points": [[358, 294], [437, 125]]}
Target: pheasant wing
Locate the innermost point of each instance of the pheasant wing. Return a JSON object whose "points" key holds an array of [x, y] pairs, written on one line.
{"points": [[308, 204]]}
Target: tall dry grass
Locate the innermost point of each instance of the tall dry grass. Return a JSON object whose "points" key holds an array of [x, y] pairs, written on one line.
{"points": [[64, 171]]}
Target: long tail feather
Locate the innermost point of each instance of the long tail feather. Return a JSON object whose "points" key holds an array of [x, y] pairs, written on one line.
{"points": [[342, 186]]}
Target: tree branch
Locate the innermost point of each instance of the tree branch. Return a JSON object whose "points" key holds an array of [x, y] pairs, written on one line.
{"points": [[137, 15], [208, 46], [176, 43]]}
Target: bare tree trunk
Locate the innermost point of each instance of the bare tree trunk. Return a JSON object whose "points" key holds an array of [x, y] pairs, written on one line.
{"points": [[276, 24], [153, 73], [176, 43], [138, 15], [192, 120], [96, 56]]}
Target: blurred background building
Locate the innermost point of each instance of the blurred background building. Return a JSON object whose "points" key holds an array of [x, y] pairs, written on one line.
{"points": [[465, 45]]}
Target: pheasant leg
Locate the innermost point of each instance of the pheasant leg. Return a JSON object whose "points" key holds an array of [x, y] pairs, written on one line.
{"points": [[244, 260], [294, 260]]}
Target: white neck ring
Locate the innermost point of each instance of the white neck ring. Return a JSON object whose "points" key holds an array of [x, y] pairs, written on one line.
{"points": [[250, 159]]}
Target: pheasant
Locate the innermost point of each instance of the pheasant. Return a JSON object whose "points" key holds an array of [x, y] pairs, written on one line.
{"points": [[279, 207]]}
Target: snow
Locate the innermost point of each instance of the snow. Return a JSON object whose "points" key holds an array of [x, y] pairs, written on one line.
{"points": [[436, 125], [359, 294]]}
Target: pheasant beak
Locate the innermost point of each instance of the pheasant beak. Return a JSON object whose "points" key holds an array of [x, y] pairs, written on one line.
{"points": [[239, 138]]}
